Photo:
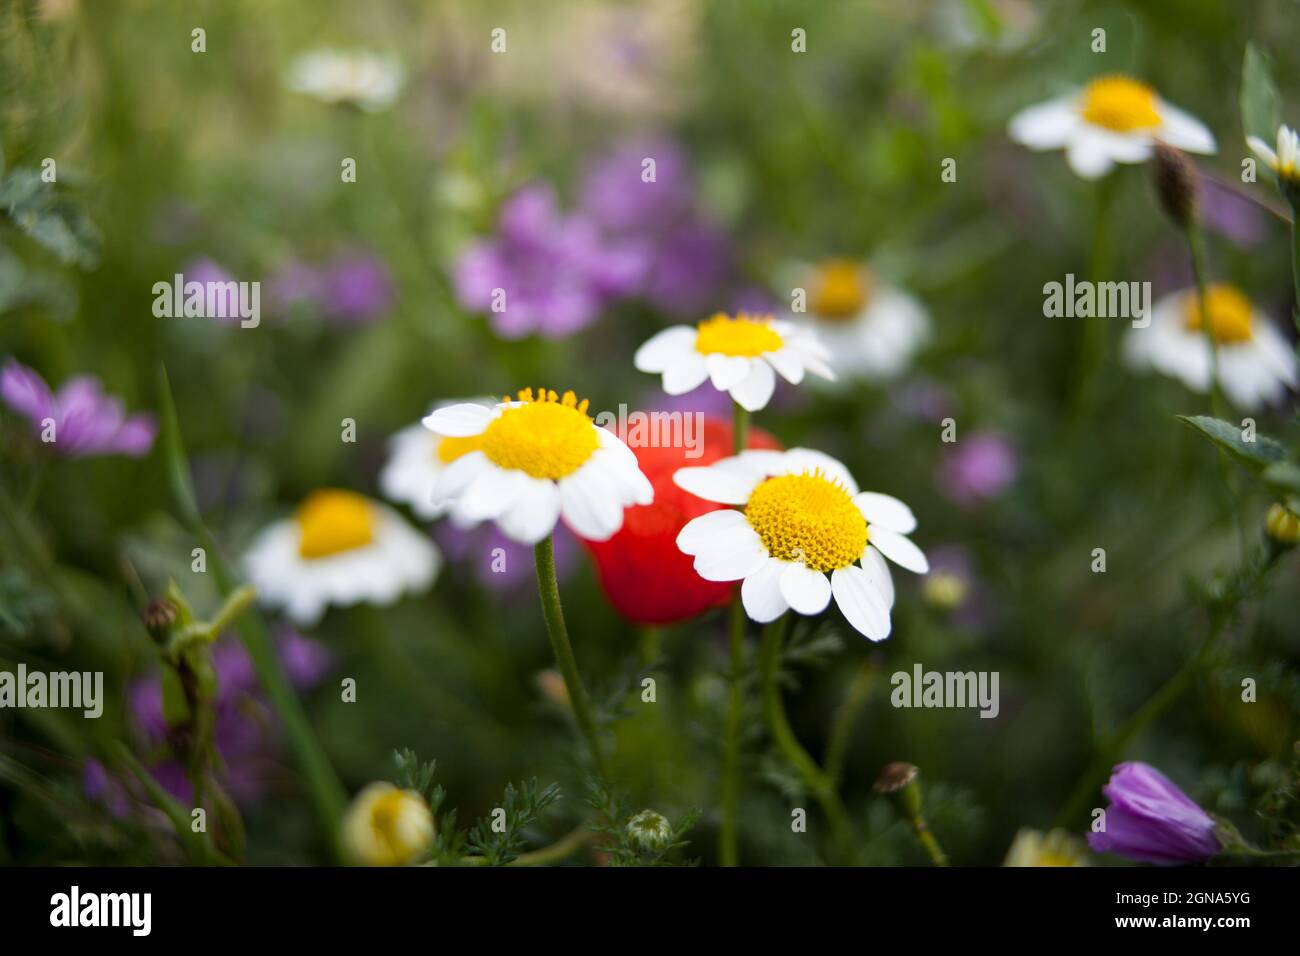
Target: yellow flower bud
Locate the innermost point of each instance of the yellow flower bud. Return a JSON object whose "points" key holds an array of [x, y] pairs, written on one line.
{"points": [[1283, 524], [386, 826]]}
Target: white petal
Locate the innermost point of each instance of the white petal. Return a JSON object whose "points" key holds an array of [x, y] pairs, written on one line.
{"points": [[452, 481], [698, 532], [590, 503], [459, 421], [860, 603], [902, 551], [728, 486], [753, 393], [787, 363], [810, 459], [727, 370], [1045, 125], [1089, 156], [1263, 151], [877, 570], [662, 349], [685, 374], [808, 591], [492, 493], [761, 593], [886, 511], [534, 513], [731, 554], [1184, 131]]}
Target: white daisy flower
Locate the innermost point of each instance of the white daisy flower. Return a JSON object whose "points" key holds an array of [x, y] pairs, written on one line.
{"points": [[386, 826], [538, 459], [1114, 119], [339, 548], [1285, 163], [873, 329], [1255, 365], [801, 517], [370, 81], [737, 355], [416, 457]]}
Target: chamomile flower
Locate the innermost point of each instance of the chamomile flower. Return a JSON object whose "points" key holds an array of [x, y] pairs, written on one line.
{"points": [[872, 328], [339, 548], [801, 517], [1253, 362], [1285, 163], [370, 81], [1054, 848], [416, 457], [1114, 119], [386, 826], [739, 355], [536, 460]]}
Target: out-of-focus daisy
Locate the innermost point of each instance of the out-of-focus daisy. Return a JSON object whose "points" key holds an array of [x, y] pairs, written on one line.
{"points": [[1114, 119], [416, 457], [1253, 362], [1055, 848], [386, 826], [537, 459], [1285, 163], [740, 356], [873, 329], [801, 517], [367, 80], [339, 548]]}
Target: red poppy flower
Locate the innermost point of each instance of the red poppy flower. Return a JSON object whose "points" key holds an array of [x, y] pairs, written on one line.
{"points": [[644, 575]]}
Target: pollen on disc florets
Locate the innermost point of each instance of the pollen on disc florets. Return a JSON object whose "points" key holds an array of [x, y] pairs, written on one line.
{"points": [[808, 518], [1120, 103], [545, 436], [745, 336], [1230, 313], [841, 288], [331, 521]]}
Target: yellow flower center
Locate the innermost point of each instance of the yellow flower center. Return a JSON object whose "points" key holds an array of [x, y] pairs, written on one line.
{"points": [[840, 289], [449, 449], [546, 437], [1229, 314], [808, 518], [1121, 104], [745, 335], [333, 521]]}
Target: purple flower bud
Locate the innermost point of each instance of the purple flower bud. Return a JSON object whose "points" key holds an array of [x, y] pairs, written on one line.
{"points": [[1150, 820]]}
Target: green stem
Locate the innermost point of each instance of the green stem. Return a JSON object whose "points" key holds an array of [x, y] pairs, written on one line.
{"points": [[842, 726], [1092, 351], [549, 590], [327, 793], [728, 844], [566, 846], [818, 782]]}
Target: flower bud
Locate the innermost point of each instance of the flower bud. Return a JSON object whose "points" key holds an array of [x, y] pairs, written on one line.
{"points": [[899, 781], [386, 826], [1175, 182], [1283, 525], [158, 618], [649, 830]]}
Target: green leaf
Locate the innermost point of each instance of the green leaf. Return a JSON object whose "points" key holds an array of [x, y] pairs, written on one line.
{"points": [[1259, 97], [176, 710], [1255, 455]]}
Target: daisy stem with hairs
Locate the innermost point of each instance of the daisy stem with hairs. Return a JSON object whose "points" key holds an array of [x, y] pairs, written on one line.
{"points": [[817, 780], [1092, 352], [728, 851], [549, 590]]}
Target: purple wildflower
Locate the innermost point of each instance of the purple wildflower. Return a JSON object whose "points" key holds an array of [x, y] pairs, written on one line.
{"points": [[85, 421], [358, 288], [1150, 820], [545, 272], [979, 467]]}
